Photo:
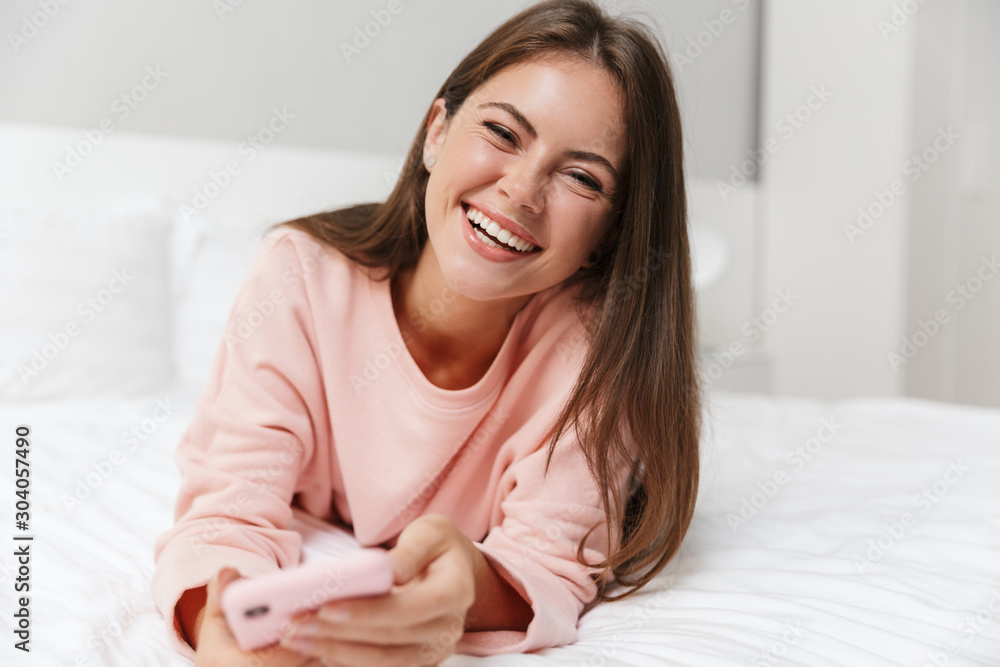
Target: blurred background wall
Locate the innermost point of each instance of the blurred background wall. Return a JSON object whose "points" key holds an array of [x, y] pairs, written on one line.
{"points": [[358, 75], [843, 152]]}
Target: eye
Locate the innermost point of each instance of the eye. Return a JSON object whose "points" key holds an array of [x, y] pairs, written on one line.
{"points": [[500, 131], [587, 181]]}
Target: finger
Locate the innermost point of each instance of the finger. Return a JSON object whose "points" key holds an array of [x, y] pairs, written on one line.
{"points": [[422, 541], [214, 630], [443, 591], [313, 630], [351, 654]]}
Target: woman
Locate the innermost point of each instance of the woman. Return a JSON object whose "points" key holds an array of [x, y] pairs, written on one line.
{"points": [[492, 372]]}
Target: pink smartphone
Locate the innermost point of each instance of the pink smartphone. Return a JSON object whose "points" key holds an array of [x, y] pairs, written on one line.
{"points": [[259, 609]]}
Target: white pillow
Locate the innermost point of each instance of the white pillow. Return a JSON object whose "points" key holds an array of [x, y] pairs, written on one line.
{"points": [[85, 300], [211, 280]]}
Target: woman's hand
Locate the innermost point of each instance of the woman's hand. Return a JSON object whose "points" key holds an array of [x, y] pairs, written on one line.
{"points": [[216, 646], [418, 623]]}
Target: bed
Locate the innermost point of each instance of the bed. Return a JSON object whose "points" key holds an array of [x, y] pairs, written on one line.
{"points": [[853, 532]]}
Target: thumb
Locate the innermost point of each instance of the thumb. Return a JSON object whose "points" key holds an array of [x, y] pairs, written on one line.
{"points": [[222, 578], [418, 545]]}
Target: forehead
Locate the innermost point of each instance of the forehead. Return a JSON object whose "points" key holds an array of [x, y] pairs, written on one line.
{"points": [[565, 98]]}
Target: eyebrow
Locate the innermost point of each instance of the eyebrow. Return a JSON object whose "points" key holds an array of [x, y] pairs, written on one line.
{"points": [[530, 129]]}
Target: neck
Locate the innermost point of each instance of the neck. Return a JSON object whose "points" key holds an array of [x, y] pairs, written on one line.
{"points": [[453, 338]]}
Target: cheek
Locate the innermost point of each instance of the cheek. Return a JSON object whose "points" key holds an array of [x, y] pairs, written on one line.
{"points": [[582, 225], [472, 158], [449, 178]]}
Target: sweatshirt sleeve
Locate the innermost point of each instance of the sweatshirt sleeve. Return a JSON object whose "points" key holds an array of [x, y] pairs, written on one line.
{"points": [[251, 435], [546, 515]]}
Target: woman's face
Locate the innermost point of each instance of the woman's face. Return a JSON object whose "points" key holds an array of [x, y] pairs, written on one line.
{"points": [[536, 150]]}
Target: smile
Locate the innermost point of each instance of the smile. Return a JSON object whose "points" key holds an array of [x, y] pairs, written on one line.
{"points": [[492, 234]]}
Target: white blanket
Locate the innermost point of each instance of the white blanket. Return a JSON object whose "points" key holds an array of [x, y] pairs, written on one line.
{"points": [[861, 532]]}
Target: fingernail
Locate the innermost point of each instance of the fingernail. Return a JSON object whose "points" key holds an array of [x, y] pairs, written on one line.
{"points": [[308, 628], [334, 614], [297, 643], [404, 571]]}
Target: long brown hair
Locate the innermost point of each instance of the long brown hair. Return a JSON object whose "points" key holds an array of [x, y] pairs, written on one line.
{"points": [[637, 399]]}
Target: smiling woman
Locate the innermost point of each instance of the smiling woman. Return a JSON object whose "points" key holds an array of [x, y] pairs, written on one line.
{"points": [[523, 155], [531, 273]]}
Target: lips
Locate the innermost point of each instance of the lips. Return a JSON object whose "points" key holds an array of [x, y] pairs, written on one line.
{"points": [[495, 234]]}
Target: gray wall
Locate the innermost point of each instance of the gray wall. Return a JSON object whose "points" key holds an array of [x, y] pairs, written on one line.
{"points": [[225, 70], [955, 220]]}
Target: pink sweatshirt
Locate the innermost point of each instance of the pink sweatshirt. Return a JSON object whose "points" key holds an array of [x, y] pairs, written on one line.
{"points": [[314, 398]]}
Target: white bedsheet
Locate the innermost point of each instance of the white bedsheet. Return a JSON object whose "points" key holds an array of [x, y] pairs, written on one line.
{"points": [[803, 582]]}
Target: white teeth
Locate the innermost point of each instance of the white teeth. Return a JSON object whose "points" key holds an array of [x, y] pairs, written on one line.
{"points": [[491, 227], [485, 239]]}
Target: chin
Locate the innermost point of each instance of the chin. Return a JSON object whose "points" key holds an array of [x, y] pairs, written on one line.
{"points": [[474, 287]]}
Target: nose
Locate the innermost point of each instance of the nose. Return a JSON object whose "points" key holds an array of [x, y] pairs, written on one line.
{"points": [[524, 184]]}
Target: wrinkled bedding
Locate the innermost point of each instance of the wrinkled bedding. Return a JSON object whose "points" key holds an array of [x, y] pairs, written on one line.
{"points": [[857, 532]]}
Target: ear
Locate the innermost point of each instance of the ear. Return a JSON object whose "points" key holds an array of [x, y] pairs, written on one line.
{"points": [[437, 129]]}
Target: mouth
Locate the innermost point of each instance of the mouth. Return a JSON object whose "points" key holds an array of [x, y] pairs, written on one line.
{"points": [[494, 235]]}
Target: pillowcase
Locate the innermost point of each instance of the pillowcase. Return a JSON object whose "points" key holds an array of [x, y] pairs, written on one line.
{"points": [[212, 277], [85, 300]]}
